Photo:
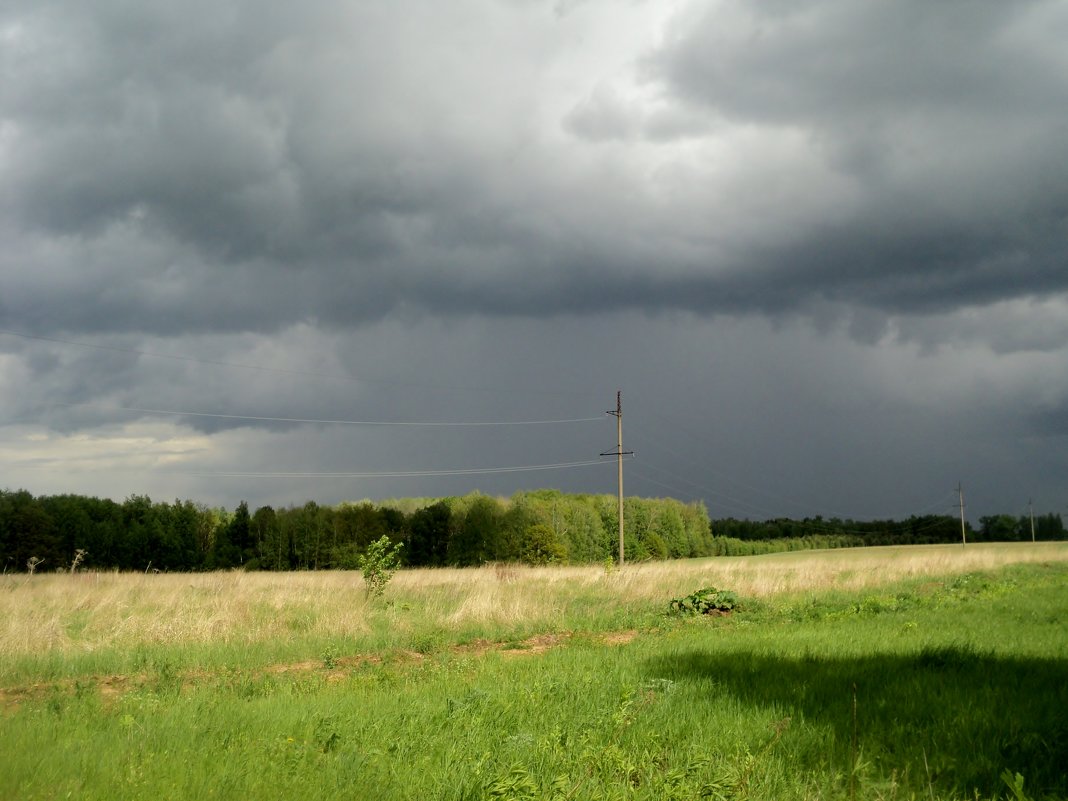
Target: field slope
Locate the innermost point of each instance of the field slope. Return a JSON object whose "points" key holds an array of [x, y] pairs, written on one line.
{"points": [[924, 672]]}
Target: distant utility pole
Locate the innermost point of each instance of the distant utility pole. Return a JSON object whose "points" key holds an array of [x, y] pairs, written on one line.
{"points": [[960, 494], [1031, 514], [619, 454]]}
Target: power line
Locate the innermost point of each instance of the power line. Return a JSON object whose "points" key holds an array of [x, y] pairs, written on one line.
{"points": [[731, 502], [811, 525], [419, 424], [738, 502], [462, 471], [775, 497], [735, 502]]}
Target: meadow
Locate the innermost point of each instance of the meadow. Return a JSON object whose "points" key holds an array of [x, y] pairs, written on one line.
{"points": [[935, 672]]}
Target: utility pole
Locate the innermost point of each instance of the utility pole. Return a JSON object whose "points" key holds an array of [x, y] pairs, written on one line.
{"points": [[960, 494], [619, 454], [1031, 514]]}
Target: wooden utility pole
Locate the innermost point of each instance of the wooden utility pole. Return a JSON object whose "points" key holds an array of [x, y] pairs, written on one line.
{"points": [[960, 494], [619, 454]]}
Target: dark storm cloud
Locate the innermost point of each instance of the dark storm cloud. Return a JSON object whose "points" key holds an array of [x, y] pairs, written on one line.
{"points": [[164, 160], [834, 62], [1049, 423], [820, 245], [243, 167], [945, 119], [949, 118]]}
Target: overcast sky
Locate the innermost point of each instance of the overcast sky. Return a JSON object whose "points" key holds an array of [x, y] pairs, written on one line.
{"points": [[821, 247]]}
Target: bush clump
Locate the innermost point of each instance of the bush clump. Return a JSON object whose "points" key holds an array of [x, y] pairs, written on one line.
{"points": [[378, 563], [708, 601]]}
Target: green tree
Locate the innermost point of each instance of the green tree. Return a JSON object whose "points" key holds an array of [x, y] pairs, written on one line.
{"points": [[669, 531], [27, 530], [240, 534], [541, 546], [1049, 527], [272, 549], [232, 541], [475, 540], [429, 531], [181, 543], [360, 525], [999, 528]]}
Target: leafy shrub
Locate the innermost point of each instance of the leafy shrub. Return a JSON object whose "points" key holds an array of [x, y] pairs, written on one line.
{"points": [[379, 563], [705, 602], [330, 657]]}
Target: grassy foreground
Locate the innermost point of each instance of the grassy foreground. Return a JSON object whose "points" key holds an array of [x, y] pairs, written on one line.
{"points": [[922, 672]]}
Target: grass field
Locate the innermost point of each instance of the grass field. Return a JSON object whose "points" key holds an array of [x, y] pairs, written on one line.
{"points": [[891, 673]]}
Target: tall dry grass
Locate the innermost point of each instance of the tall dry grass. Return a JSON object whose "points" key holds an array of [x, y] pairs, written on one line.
{"points": [[89, 611]]}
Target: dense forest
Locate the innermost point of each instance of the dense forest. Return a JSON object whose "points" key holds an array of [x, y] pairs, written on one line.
{"points": [[545, 526], [742, 537], [533, 527]]}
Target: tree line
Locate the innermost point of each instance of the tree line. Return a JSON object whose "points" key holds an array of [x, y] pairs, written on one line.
{"points": [[540, 527], [916, 530]]}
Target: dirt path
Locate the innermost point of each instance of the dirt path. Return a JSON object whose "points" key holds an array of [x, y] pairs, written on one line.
{"points": [[333, 669]]}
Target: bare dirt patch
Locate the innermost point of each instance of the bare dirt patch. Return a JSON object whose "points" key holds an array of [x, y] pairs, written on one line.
{"points": [[619, 637], [538, 644]]}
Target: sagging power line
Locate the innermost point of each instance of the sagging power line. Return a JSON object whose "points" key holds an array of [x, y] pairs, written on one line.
{"points": [[264, 418], [458, 471]]}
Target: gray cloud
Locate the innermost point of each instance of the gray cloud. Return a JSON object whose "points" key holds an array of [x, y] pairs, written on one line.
{"points": [[947, 119], [333, 165], [830, 61], [824, 218]]}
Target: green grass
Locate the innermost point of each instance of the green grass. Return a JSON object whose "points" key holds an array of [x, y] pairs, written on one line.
{"points": [[953, 681]]}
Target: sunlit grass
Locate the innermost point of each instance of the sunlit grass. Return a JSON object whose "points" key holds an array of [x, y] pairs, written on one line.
{"points": [[65, 615], [957, 670]]}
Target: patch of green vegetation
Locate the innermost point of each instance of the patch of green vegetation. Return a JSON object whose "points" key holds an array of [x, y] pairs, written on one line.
{"points": [[704, 602], [946, 690]]}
